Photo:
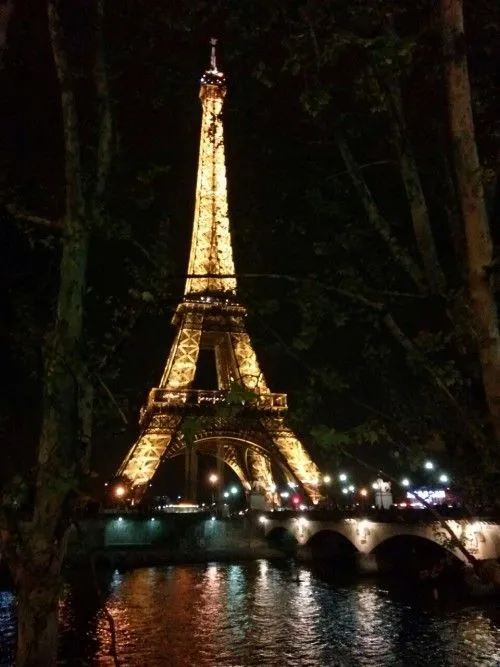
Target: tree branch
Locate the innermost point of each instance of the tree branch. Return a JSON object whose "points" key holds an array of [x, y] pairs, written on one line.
{"points": [[6, 10], [378, 222], [113, 400], [455, 540], [366, 165], [397, 333], [125, 333], [283, 276], [36, 220], [105, 138], [414, 191]]}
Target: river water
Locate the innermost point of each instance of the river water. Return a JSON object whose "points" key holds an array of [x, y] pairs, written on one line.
{"points": [[261, 614]]}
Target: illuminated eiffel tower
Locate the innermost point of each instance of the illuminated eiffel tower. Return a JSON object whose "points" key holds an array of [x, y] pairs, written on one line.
{"points": [[256, 441]]}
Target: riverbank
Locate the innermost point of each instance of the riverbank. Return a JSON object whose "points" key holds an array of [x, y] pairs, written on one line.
{"points": [[148, 557], [462, 581], [444, 576]]}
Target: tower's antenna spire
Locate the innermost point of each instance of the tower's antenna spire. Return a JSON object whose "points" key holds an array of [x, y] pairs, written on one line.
{"points": [[213, 62]]}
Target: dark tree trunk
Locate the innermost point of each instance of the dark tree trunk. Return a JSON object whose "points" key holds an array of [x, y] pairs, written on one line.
{"points": [[473, 203], [37, 607], [64, 439], [6, 9], [67, 408]]}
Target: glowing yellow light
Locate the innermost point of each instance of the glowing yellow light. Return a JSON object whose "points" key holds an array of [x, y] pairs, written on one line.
{"points": [[363, 492], [120, 491], [211, 252], [364, 528]]}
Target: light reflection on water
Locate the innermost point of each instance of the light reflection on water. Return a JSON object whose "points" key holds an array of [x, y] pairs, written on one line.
{"points": [[258, 615]]}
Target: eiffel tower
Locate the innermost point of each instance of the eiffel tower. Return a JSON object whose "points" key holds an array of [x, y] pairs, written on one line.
{"points": [[256, 441]]}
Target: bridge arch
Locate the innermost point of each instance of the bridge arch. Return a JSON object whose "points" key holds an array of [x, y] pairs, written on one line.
{"points": [[282, 539], [410, 551], [327, 544], [209, 446], [258, 443], [236, 452]]}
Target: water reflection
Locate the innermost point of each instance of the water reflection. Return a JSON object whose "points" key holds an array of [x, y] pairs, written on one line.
{"points": [[7, 603], [377, 625], [258, 615]]}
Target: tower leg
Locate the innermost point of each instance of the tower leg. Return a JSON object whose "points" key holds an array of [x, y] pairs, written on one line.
{"points": [[146, 454], [262, 476], [190, 474], [220, 473], [299, 461]]}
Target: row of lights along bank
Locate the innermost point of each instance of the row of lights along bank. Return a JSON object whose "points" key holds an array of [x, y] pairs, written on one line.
{"points": [[343, 477]]}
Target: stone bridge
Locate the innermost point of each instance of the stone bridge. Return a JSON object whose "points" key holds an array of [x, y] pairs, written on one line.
{"points": [[365, 535]]}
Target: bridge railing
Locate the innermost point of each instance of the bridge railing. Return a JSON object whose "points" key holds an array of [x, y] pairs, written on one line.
{"points": [[393, 515]]}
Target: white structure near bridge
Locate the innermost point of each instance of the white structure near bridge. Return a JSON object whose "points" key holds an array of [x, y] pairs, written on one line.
{"points": [[481, 538]]}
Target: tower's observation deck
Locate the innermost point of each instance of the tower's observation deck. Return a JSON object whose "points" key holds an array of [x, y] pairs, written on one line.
{"points": [[204, 401]]}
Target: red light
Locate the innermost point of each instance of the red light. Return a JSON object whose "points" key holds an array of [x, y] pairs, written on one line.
{"points": [[295, 500]]}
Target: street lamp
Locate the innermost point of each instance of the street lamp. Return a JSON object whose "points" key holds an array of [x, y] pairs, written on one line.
{"points": [[120, 491], [405, 482], [234, 490], [327, 479], [343, 477], [429, 465], [444, 478], [213, 479]]}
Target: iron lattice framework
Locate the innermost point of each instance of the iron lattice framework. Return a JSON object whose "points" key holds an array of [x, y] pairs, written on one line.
{"points": [[210, 317]]}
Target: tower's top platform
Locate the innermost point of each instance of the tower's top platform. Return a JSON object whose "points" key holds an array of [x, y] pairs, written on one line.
{"points": [[213, 76]]}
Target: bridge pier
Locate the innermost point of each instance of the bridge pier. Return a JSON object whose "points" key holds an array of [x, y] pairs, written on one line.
{"points": [[366, 563], [303, 553]]}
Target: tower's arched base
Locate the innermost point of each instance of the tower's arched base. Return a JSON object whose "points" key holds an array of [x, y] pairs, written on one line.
{"points": [[250, 443]]}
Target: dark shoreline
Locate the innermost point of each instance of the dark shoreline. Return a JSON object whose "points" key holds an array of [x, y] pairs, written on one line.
{"points": [[464, 581], [147, 557]]}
